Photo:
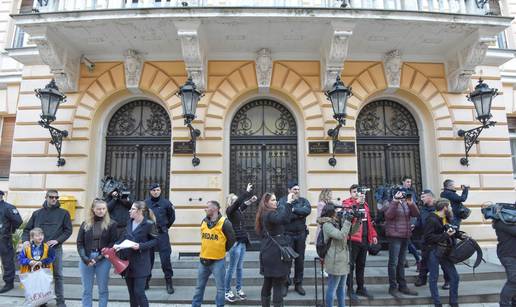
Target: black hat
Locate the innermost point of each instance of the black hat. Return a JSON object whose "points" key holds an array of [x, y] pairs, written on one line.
{"points": [[2, 193], [154, 186], [291, 184], [428, 191]]}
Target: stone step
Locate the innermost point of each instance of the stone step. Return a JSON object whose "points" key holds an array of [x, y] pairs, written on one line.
{"points": [[469, 292], [373, 275]]}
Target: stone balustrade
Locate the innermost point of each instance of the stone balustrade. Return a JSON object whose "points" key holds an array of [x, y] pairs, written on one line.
{"points": [[438, 6]]}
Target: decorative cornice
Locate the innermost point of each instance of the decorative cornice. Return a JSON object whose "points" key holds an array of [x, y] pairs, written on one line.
{"points": [[193, 53], [264, 69], [64, 62], [133, 64], [462, 62], [334, 52], [392, 67]]}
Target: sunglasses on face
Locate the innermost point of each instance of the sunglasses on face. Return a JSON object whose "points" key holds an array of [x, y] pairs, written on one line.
{"points": [[53, 197]]}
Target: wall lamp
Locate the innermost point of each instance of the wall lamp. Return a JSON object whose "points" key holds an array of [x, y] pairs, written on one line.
{"points": [[51, 98], [338, 96], [482, 98], [190, 97]]}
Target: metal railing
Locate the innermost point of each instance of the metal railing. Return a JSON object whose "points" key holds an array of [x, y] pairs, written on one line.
{"points": [[477, 7]]}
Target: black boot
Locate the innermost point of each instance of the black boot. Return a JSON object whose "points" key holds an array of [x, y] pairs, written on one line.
{"points": [[170, 287], [266, 301], [278, 304], [420, 282], [7, 287], [299, 289]]}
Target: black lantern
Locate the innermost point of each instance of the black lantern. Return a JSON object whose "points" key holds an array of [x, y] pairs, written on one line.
{"points": [[482, 98], [189, 99], [51, 98], [338, 96]]}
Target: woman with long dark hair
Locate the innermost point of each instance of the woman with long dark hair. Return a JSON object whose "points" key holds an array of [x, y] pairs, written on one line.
{"points": [[96, 232], [270, 225], [141, 229]]}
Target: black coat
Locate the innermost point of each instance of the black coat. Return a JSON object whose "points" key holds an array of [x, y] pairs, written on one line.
{"points": [[270, 255], [54, 221], [163, 211], [506, 235], [10, 219], [300, 210], [435, 234], [236, 217], [85, 241], [455, 199], [119, 210], [140, 260]]}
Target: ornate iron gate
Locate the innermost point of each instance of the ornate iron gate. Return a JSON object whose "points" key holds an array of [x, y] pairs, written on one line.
{"points": [[263, 152], [388, 146], [138, 147]]}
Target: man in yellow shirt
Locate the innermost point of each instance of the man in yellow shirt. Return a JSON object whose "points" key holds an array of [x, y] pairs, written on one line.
{"points": [[217, 237]]}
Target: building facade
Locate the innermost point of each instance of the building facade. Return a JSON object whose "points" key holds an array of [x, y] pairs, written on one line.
{"points": [[264, 67]]}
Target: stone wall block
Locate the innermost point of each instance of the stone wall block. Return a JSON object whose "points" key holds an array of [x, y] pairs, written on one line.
{"points": [[441, 112], [497, 181], [462, 115], [24, 148], [184, 163], [26, 181], [452, 147], [182, 198], [28, 85], [210, 146], [479, 164], [29, 100], [479, 232], [23, 199], [68, 181], [22, 132], [328, 180], [187, 235], [480, 197], [33, 116], [320, 163], [48, 164], [473, 180], [189, 216], [494, 147], [212, 181], [75, 147]]}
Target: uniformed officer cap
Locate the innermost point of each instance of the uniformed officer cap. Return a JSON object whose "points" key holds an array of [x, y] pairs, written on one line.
{"points": [[2, 193], [291, 184], [154, 186]]}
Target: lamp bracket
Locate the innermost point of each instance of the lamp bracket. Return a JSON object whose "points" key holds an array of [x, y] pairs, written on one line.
{"points": [[194, 134], [471, 138], [56, 139], [334, 134]]}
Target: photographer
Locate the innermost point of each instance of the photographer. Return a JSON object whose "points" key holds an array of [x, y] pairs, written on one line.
{"points": [[297, 231], [360, 241], [449, 192], [438, 239], [506, 234], [336, 228], [118, 207], [398, 231]]}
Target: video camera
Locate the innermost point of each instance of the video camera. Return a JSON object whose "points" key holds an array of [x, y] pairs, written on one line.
{"points": [[504, 212], [349, 213], [363, 190], [406, 194], [110, 185]]}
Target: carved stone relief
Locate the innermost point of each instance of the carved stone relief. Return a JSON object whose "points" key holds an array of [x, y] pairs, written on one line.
{"points": [[392, 65], [264, 69], [133, 64]]}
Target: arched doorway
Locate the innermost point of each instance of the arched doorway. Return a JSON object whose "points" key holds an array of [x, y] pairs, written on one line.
{"points": [[263, 151], [138, 147], [388, 146]]}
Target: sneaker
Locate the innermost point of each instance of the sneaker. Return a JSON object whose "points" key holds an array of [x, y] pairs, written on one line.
{"points": [[446, 286], [241, 295], [230, 297]]}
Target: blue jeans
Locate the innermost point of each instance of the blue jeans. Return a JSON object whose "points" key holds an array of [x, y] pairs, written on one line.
{"points": [[336, 284], [413, 250], [508, 294], [218, 269], [88, 273], [396, 264], [449, 269], [58, 276], [236, 260]]}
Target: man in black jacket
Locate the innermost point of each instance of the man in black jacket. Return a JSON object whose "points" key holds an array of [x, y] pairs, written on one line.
{"points": [[506, 234], [449, 192], [165, 217], [57, 227], [10, 220], [118, 207], [297, 231], [437, 241]]}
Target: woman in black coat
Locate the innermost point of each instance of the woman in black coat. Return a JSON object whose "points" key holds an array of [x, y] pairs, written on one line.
{"points": [[141, 229], [270, 224]]}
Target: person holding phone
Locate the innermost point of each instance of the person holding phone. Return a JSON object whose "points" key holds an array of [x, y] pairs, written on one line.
{"points": [[235, 207], [297, 231], [438, 240]]}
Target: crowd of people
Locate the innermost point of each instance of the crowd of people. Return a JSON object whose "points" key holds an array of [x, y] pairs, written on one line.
{"points": [[349, 228]]}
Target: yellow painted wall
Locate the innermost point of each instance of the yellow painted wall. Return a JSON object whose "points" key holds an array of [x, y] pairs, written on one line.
{"points": [[294, 83]]}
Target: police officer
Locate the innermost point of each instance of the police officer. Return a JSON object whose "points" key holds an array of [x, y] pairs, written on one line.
{"points": [[10, 220], [165, 217]]}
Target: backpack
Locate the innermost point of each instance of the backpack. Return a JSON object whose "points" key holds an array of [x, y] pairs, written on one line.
{"points": [[464, 249], [320, 246]]}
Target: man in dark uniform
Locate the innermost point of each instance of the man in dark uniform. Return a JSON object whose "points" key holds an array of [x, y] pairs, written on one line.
{"points": [[118, 204], [297, 231], [165, 217], [10, 220]]}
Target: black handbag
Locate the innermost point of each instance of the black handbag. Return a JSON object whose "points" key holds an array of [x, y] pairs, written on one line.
{"points": [[287, 252]]}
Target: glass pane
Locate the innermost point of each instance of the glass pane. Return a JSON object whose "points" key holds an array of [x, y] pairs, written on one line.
{"points": [[263, 118]]}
